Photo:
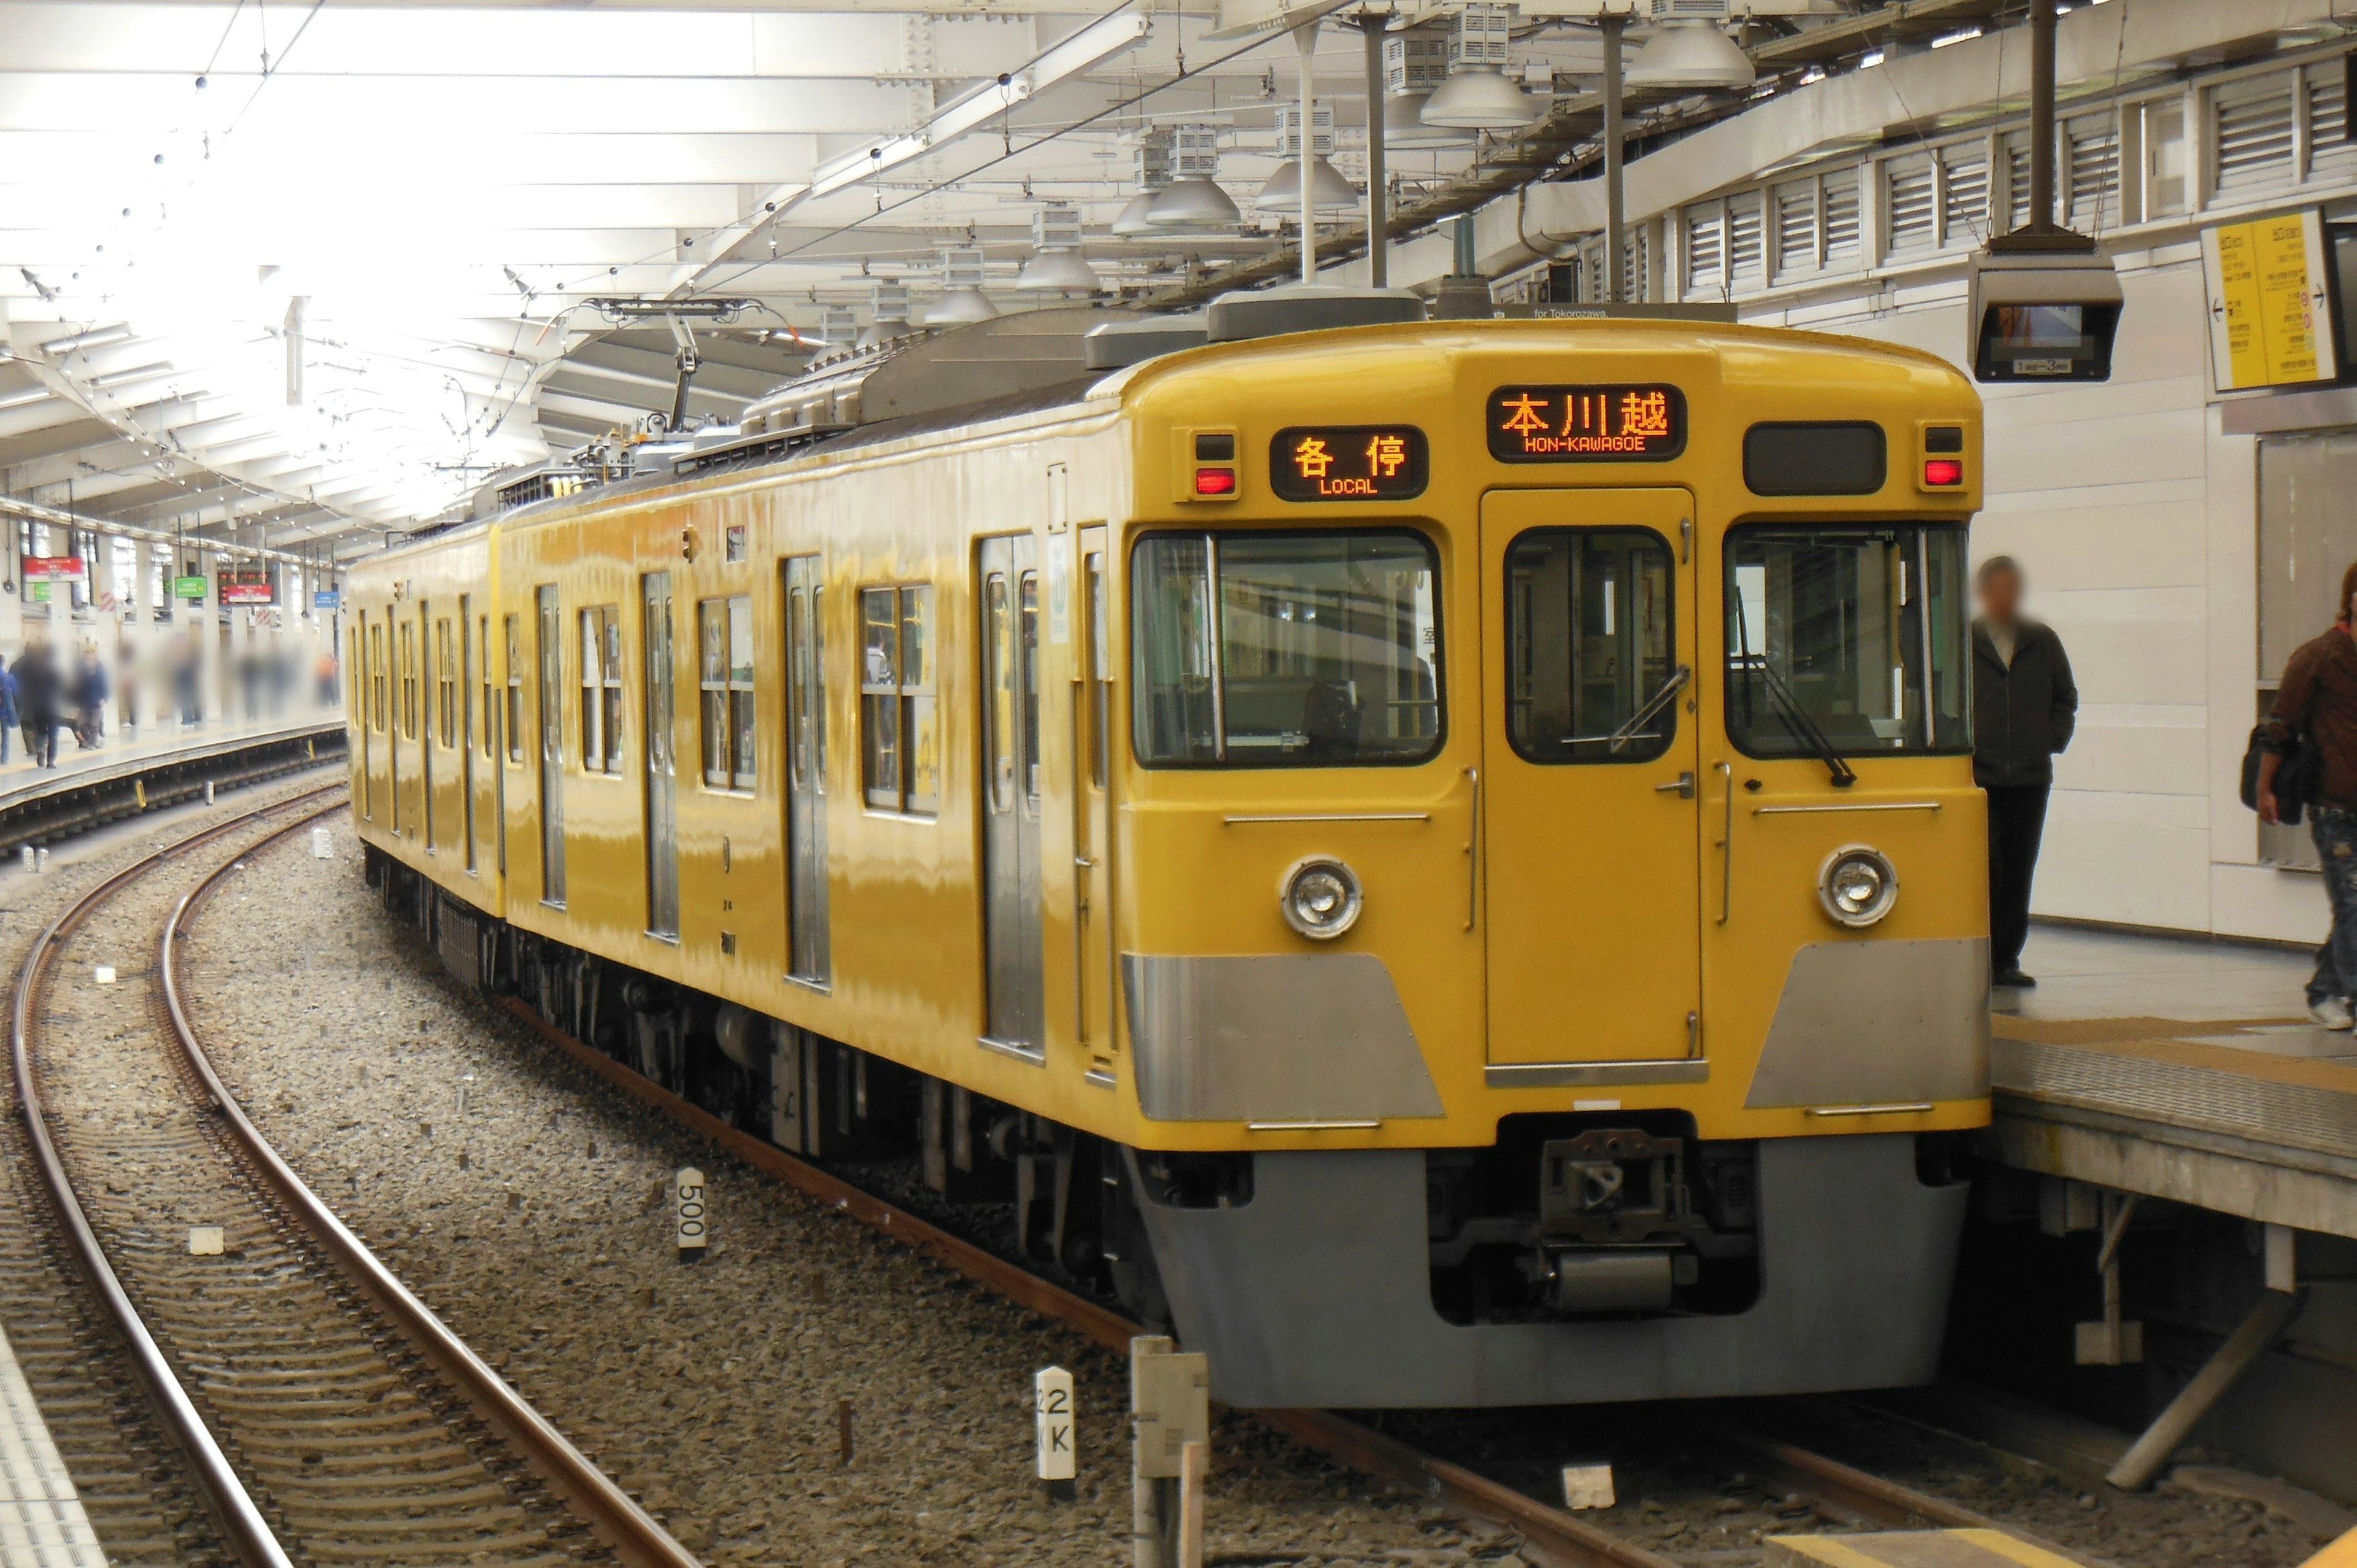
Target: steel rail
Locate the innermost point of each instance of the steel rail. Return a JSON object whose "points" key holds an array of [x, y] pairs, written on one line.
{"points": [[1556, 1535], [633, 1534], [248, 1534]]}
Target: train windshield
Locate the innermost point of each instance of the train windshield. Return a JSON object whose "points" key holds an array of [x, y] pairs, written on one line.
{"points": [[1286, 649], [1846, 641]]}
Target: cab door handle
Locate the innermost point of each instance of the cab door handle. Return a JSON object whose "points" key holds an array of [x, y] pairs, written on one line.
{"points": [[1682, 786]]}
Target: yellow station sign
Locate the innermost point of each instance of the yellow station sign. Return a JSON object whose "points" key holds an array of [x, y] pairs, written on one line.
{"points": [[2270, 314]]}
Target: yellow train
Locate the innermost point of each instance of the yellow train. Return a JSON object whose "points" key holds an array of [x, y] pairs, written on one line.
{"points": [[1438, 857]]}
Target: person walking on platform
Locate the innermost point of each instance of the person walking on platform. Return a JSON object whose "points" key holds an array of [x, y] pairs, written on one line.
{"points": [[2316, 710], [2024, 709], [37, 694], [89, 695], [8, 715]]}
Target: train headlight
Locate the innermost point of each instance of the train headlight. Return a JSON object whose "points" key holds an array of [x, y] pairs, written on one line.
{"points": [[1321, 898], [1857, 885]]}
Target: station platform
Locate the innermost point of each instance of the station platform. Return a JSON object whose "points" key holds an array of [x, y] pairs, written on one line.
{"points": [[2177, 1069], [42, 1523], [138, 770]]}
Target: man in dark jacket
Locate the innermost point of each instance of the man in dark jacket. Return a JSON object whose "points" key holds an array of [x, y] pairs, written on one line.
{"points": [[2024, 707], [2316, 706], [36, 702]]}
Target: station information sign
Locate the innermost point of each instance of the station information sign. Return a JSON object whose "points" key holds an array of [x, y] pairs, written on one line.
{"points": [[248, 586], [1349, 462], [2270, 308], [188, 587], [54, 568], [1617, 422]]}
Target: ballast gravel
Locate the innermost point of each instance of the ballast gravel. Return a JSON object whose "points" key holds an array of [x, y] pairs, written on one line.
{"points": [[529, 1203]]}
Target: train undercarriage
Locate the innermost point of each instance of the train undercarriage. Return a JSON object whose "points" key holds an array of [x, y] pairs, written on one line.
{"points": [[1578, 1257]]}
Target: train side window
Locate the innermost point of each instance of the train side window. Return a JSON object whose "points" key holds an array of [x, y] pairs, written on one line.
{"points": [[899, 744], [1100, 667], [1027, 655], [483, 673], [376, 679], [445, 686], [725, 635], [1299, 650], [1589, 630], [601, 689], [408, 681], [998, 682], [515, 690]]}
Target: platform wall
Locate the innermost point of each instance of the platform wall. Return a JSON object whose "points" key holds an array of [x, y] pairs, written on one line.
{"points": [[2136, 518]]}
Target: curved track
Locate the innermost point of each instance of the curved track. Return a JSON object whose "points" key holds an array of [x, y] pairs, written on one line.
{"points": [[324, 1413]]}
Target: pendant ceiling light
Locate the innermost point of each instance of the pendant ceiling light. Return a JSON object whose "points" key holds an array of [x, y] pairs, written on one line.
{"points": [[1480, 97], [1330, 192], [1133, 220], [1405, 126], [1689, 56], [1059, 271], [1193, 204], [960, 307]]}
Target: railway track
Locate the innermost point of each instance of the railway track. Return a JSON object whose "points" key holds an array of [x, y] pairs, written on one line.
{"points": [[1832, 1490], [321, 1412]]}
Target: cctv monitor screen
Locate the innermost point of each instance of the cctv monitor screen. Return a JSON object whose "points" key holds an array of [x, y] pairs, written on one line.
{"points": [[2046, 342]]}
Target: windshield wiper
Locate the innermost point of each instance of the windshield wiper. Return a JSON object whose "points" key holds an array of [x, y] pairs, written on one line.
{"points": [[1619, 738], [1796, 720]]}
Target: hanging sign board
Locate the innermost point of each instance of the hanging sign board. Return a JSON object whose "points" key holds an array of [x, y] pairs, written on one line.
{"points": [[188, 587], [247, 586], [2270, 308], [327, 598], [54, 568]]}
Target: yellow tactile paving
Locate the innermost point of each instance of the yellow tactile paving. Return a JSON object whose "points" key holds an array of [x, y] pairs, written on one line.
{"points": [[2342, 1554], [1913, 1549]]}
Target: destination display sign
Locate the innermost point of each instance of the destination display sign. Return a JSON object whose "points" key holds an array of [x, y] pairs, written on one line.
{"points": [[1349, 462], [1619, 423]]}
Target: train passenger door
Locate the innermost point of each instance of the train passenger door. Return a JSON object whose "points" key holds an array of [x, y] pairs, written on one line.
{"points": [[1590, 796], [552, 745], [662, 762], [806, 916], [1094, 966], [1014, 977]]}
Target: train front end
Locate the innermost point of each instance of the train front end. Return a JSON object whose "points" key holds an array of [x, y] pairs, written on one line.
{"points": [[1549, 881]]}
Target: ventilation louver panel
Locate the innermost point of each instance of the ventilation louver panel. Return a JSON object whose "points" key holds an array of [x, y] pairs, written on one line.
{"points": [[2253, 123], [1909, 184]]}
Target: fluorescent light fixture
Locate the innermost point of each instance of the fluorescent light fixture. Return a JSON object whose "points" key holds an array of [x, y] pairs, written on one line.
{"points": [[24, 398], [96, 338], [135, 373]]}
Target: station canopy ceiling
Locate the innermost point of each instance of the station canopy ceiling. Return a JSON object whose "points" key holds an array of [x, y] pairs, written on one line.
{"points": [[308, 272]]}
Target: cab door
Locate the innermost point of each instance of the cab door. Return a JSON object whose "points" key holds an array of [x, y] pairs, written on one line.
{"points": [[1590, 816]]}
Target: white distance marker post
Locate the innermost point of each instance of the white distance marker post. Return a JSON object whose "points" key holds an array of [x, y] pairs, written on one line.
{"points": [[1058, 1464], [323, 847], [694, 1231]]}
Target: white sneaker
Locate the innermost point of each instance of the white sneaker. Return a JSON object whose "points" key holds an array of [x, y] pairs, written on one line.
{"points": [[2331, 1012]]}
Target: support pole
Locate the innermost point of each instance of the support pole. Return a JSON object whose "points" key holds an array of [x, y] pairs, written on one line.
{"points": [[1614, 236], [1305, 38], [2042, 114], [1372, 23], [2167, 1434]]}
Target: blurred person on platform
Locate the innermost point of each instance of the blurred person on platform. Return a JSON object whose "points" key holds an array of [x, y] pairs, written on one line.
{"points": [[8, 714], [187, 677], [2024, 706], [126, 684], [2316, 712], [39, 695], [90, 689]]}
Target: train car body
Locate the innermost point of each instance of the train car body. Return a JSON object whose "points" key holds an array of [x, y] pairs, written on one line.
{"points": [[1385, 845]]}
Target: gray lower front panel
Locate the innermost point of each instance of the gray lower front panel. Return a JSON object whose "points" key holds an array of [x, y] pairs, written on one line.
{"points": [[1317, 1293]]}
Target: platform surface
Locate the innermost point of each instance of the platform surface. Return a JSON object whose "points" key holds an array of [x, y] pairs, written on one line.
{"points": [[2179, 1068], [42, 1524], [1913, 1549], [128, 750]]}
